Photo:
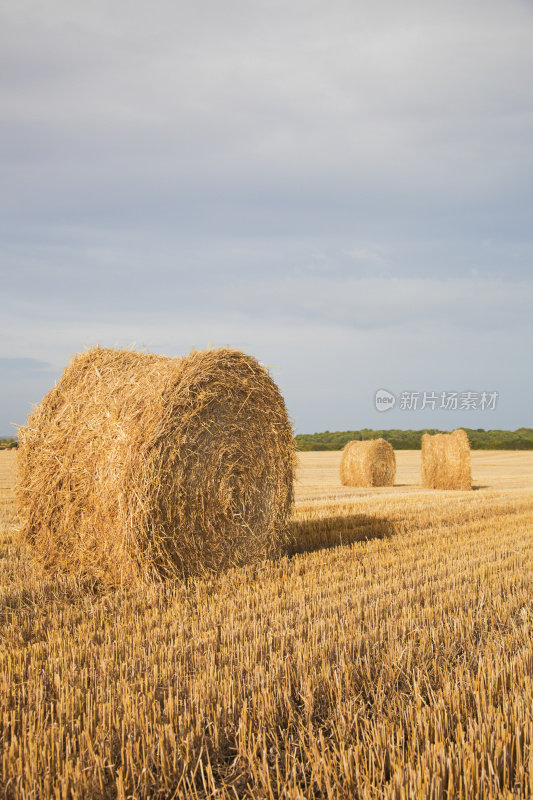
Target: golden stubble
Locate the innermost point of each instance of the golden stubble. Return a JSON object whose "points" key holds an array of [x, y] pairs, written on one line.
{"points": [[389, 656]]}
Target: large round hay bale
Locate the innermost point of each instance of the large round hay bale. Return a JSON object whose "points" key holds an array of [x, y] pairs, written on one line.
{"points": [[446, 461], [138, 465], [368, 463]]}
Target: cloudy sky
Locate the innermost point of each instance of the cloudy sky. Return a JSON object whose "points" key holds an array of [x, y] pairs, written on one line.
{"points": [[343, 189]]}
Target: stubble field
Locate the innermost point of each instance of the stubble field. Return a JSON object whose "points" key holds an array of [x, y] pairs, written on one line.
{"points": [[388, 655]]}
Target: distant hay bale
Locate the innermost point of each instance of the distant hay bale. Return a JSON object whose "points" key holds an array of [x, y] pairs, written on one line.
{"points": [[368, 463], [446, 461], [138, 465]]}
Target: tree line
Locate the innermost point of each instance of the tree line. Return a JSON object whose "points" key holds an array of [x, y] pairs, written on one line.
{"points": [[480, 439]]}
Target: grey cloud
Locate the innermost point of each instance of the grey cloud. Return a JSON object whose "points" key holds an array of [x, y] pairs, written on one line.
{"points": [[13, 365], [366, 286], [326, 186], [23, 383], [191, 96], [327, 370]]}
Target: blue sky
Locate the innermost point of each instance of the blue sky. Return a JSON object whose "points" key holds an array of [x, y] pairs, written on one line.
{"points": [[344, 190]]}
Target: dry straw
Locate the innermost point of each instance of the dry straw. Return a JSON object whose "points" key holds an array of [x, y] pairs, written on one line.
{"points": [[368, 463], [140, 466], [446, 461]]}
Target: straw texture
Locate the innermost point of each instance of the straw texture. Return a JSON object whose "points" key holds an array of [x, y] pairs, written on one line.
{"points": [[140, 466], [368, 463], [446, 461]]}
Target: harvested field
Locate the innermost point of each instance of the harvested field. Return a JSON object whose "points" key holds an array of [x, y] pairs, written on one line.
{"points": [[397, 664]]}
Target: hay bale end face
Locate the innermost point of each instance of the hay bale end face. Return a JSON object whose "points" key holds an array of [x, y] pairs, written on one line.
{"points": [[446, 461], [140, 466], [368, 463]]}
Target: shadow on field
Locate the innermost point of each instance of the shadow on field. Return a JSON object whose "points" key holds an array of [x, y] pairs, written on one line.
{"points": [[316, 534]]}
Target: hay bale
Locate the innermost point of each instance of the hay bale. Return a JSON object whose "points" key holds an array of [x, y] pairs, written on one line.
{"points": [[368, 463], [137, 466], [446, 461]]}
